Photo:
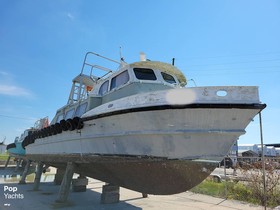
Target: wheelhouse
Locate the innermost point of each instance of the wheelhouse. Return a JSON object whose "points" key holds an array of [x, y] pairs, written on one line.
{"points": [[134, 76], [92, 90]]}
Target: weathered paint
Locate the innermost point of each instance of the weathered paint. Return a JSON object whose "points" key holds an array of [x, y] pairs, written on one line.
{"points": [[143, 174], [173, 134]]}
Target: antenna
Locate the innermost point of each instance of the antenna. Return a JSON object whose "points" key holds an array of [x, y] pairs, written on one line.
{"points": [[122, 62], [121, 58]]}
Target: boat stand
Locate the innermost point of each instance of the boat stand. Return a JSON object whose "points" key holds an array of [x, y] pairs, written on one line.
{"points": [[110, 193], [7, 162], [59, 176], [18, 163], [66, 183], [39, 171], [25, 172]]}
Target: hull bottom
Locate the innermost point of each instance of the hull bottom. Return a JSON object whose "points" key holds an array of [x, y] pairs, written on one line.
{"points": [[151, 175]]}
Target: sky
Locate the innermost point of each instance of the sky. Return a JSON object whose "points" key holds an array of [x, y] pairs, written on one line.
{"points": [[214, 43]]}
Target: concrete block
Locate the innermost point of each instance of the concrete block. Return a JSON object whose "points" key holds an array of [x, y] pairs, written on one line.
{"points": [[110, 194], [80, 184], [80, 181], [110, 189], [108, 198], [82, 188]]}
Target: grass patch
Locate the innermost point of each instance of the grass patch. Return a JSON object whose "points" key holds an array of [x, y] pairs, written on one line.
{"points": [[4, 156], [228, 190], [210, 188], [235, 191]]}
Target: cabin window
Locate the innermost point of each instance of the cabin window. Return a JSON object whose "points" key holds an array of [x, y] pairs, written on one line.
{"points": [[69, 114], [81, 110], [104, 88], [59, 117], [119, 80], [168, 78], [144, 74]]}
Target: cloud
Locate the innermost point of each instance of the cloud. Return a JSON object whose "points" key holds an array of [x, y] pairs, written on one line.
{"points": [[12, 90], [9, 87], [3, 73], [70, 16]]}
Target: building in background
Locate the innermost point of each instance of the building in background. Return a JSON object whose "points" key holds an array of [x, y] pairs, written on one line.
{"points": [[271, 151], [260, 150], [274, 151], [277, 150], [2, 148], [248, 149]]}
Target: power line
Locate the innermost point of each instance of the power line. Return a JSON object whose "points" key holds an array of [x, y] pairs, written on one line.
{"points": [[230, 73], [16, 117], [239, 62], [267, 69], [230, 56]]}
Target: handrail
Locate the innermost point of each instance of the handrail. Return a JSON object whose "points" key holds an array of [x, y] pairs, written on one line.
{"points": [[109, 59], [97, 66]]}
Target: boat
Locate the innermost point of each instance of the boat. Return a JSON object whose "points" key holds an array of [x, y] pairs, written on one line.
{"points": [[16, 148], [140, 127]]}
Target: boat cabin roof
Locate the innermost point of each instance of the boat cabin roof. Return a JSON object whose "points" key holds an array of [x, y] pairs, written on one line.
{"points": [[143, 73]]}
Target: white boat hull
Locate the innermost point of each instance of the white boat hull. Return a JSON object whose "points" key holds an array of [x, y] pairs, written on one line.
{"points": [[173, 134], [157, 142]]}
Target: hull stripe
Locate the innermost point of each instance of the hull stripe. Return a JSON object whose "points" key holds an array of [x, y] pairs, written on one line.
{"points": [[188, 106]]}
